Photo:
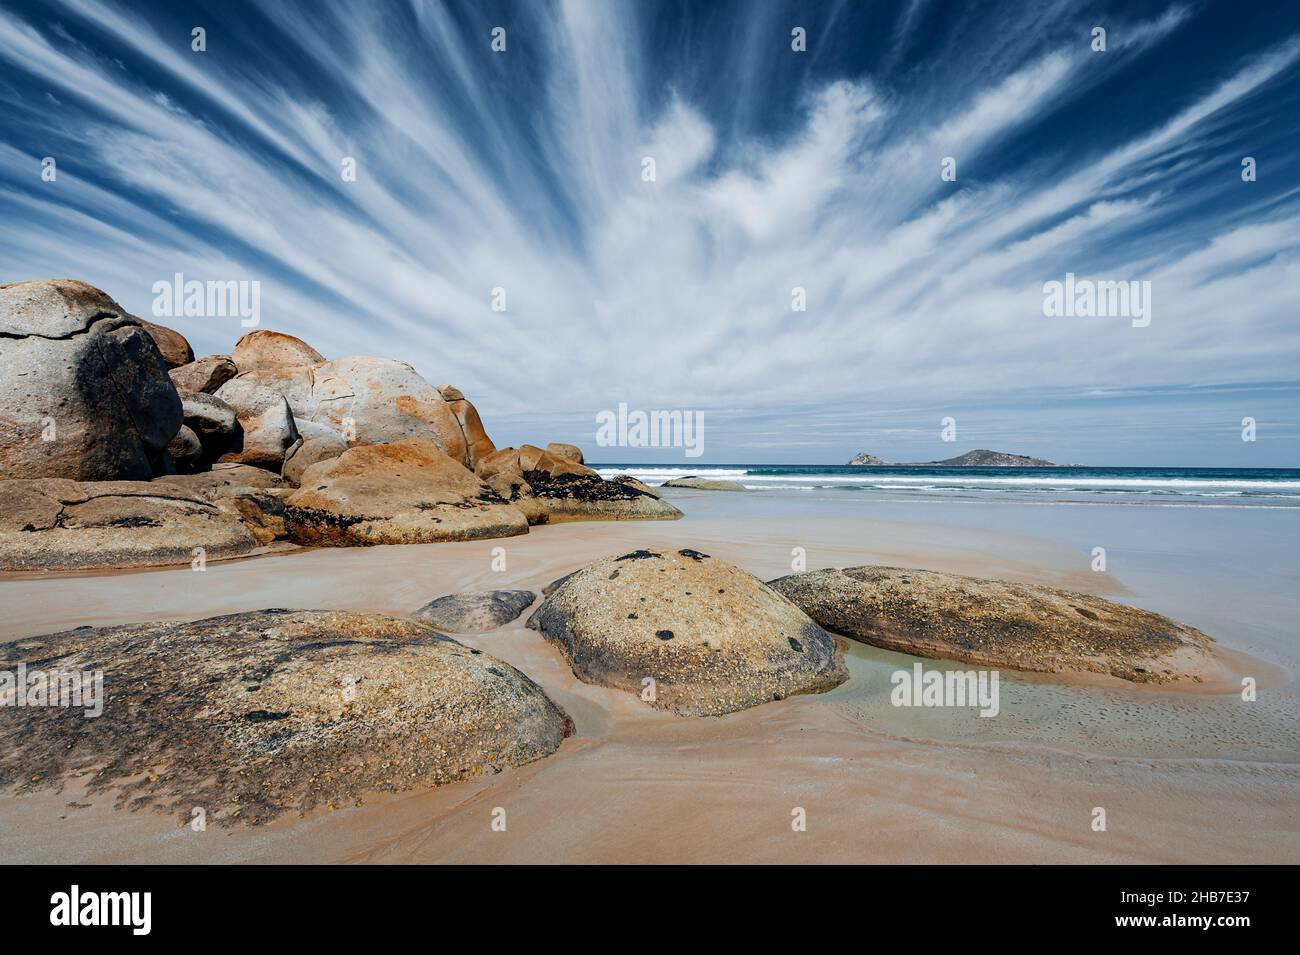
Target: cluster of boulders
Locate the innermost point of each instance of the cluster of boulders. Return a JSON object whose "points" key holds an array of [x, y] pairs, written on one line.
{"points": [[362, 450], [255, 713]]}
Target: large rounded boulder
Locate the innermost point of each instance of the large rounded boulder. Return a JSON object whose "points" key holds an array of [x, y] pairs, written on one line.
{"points": [[407, 492], [686, 632], [264, 348], [377, 401], [254, 714], [84, 390], [172, 345], [998, 623]]}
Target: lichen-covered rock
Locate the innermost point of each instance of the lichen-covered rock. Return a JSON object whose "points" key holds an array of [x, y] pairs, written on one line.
{"points": [[205, 375], [255, 714], [406, 492], [57, 524], [266, 428], [476, 612], [708, 637], [172, 345], [998, 623], [264, 348], [84, 391]]}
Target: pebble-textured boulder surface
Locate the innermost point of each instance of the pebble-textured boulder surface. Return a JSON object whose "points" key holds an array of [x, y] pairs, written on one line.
{"points": [[266, 428], [704, 484], [998, 623], [712, 638], [205, 375], [54, 524], [84, 391], [255, 714], [407, 492], [476, 612]]}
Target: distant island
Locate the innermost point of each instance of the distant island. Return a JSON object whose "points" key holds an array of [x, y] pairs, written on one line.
{"points": [[980, 458], [864, 459]]}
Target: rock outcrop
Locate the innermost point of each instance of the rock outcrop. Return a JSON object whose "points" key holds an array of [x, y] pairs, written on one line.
{"points": [[312, 450], [862, 459], [406, 492], [84, 391], [704, 484], [186, 449], [476, 612], [53, 524], [213, 420], [378, 401], [997, 623], [266, 427], [255, 714], [205, 375], [686, 632], [87, 397], [172, 345], [570, 452], [253, 495], [262, 348]]}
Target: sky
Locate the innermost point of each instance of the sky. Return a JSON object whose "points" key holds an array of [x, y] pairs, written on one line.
{"points": [[524, 170]]}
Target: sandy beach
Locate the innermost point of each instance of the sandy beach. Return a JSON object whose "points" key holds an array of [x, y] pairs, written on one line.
{"points": [[1183, 777]]}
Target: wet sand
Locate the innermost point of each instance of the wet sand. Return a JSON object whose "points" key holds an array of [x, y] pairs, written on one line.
{"points": [[1183, 778]]}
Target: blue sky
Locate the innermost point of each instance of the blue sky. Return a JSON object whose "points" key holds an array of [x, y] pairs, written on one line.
{"points": [[522, 170]]}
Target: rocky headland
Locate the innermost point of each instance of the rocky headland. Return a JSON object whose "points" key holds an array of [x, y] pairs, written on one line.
{"points": [[118, 448]]}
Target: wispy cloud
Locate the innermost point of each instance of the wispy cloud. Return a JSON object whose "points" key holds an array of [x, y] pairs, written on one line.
{"points": [[523, 170]]}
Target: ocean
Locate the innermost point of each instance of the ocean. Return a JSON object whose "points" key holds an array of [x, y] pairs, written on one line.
{"points": [[1179, 487]]}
